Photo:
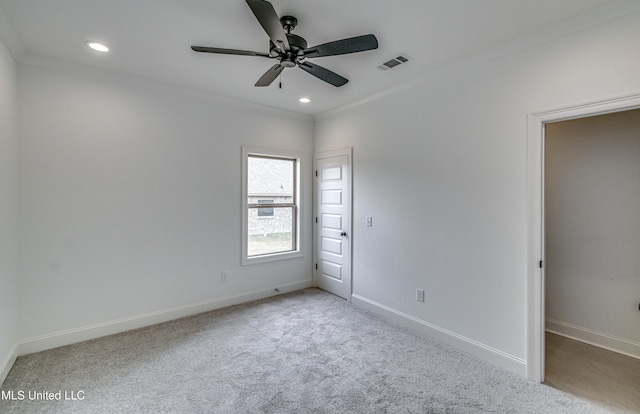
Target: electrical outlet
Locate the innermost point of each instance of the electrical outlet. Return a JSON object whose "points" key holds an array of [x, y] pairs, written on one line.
{"points": [[223, 276], [420, 295], [369, 221]]}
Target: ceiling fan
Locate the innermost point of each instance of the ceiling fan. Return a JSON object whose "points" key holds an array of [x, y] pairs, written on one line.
{"points": [[292, 50]]}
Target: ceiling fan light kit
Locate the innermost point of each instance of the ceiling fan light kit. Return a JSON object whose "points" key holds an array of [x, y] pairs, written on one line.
{"points": [[292, 50]]}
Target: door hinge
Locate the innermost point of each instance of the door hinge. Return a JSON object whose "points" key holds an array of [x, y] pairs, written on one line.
{"points": [[316, 173], [316, 219], [540, 264], [316, 266]]}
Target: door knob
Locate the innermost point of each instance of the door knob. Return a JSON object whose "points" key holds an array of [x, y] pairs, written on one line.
{"points": [[344, 233]]}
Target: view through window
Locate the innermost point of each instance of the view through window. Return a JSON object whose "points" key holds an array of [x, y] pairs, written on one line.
{"points": [[271, 202]]}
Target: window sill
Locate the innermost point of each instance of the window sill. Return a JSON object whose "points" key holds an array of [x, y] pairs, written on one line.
{"points": [[266, 258]]}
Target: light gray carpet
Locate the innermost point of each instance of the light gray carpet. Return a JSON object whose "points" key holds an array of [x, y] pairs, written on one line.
{"points": [[304, 352]]}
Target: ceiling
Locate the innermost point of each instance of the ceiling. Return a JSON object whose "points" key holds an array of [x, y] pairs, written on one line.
{"points": [[151, 39]]}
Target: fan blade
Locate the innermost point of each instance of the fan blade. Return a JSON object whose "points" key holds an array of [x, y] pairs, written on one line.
{"points": [[323, 74], [341, 47], [228, 51], [270, 75], [270, 22]]}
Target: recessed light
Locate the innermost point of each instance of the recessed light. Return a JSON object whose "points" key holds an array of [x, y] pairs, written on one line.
{"points": [[305, 100], [99, 47]]}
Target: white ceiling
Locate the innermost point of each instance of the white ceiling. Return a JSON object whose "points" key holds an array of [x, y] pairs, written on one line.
{"points": [[151, 39]]}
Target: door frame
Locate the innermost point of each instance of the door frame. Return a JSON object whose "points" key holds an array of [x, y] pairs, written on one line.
{"points": [[348, 151], [535, 217]]}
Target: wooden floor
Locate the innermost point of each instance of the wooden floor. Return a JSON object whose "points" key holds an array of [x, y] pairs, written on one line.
{"points": [[607, 379]]}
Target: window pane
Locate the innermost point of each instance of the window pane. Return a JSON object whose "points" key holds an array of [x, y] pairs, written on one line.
{"points": [[270, 177], [274, 235], [270, 229]]}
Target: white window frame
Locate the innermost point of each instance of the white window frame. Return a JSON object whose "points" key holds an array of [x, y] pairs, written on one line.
{"points": [[274, 153]]}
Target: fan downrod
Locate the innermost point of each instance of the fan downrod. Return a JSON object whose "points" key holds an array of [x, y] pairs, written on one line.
{"points": [[288, 23]]}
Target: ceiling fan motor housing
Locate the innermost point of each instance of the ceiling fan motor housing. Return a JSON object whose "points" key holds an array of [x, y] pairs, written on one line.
{"points": [[297, 44]]}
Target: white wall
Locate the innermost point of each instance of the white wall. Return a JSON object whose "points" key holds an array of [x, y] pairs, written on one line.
{"points": [[440, 165], [592, 194], [130, 203], [8, 210]]}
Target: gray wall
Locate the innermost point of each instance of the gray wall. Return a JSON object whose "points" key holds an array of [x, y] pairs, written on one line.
{"points": [[8, 210], [592, 229]]}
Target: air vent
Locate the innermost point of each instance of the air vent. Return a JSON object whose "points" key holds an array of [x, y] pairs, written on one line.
{"points": [[396, 61]]}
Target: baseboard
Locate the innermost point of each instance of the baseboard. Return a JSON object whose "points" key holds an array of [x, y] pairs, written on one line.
{"points": [[72, 336], [591, 337], [477, 349], [7, 363]]}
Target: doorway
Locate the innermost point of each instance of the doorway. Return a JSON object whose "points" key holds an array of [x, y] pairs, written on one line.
{"points": [[592, 240], [332, 251], [592, 229], [536, 316]]}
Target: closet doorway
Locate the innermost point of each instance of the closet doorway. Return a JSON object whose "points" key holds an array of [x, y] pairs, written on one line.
{"points": [[592, 257], [536, 263]]}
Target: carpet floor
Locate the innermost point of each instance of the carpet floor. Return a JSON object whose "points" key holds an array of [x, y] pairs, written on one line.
{"points": [[303, 352]]}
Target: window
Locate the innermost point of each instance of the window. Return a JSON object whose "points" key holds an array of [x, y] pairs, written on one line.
{"points": [[271, 214], [265, 211]]}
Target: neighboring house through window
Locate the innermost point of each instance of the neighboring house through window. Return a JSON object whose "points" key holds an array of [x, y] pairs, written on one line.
{"points": [[271, 210]]}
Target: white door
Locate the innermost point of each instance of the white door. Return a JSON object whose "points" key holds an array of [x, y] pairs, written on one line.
{"points": [[333, 222]]}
